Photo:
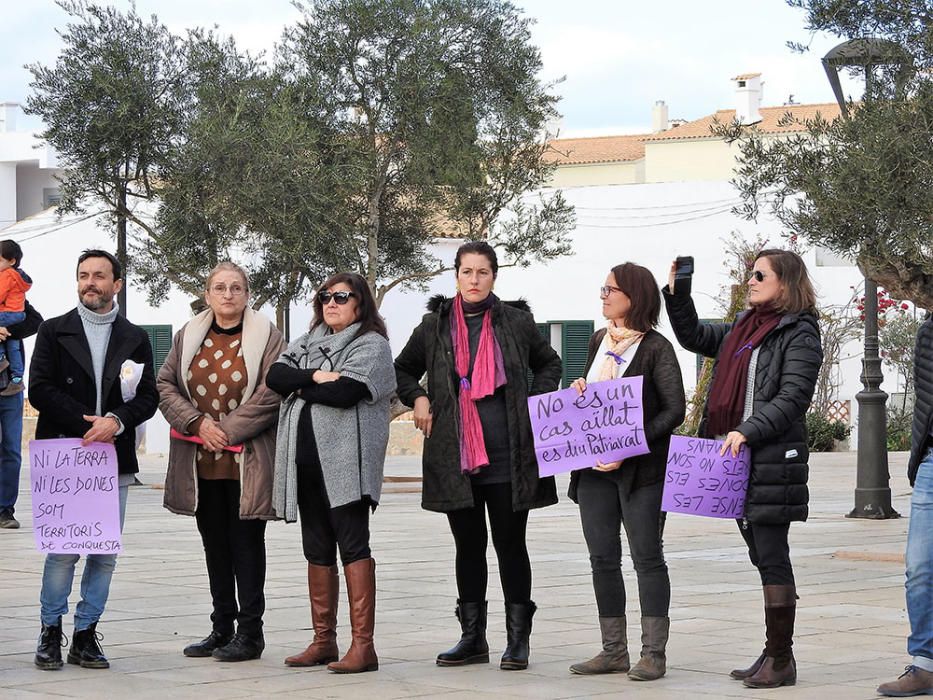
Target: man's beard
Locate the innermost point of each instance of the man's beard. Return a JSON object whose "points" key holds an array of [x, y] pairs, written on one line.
{"points": [[97, 304]]}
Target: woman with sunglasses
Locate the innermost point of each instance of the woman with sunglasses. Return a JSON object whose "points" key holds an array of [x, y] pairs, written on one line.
{"points": [[765, 371], [629, 493], [479, 353], [337, 380], [212, 392]]}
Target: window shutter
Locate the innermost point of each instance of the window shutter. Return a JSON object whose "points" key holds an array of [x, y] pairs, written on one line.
{"points": [[575, 340], [160, 337]]}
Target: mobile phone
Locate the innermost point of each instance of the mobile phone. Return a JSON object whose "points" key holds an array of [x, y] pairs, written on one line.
{"points": [[683, 274]]}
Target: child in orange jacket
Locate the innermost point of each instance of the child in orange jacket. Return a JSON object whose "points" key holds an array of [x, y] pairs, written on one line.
{"points": [[14, 283]]}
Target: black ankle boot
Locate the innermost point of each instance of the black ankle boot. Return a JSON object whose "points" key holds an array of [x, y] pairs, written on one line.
{"points": [[49, 649], [472, 647], [241, 648], [518, 633], [206, 646], [85, 649]]}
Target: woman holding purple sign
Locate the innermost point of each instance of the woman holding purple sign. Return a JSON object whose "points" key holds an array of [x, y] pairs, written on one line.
{"points": [[478, 353], [610, 497], [766, 366]]}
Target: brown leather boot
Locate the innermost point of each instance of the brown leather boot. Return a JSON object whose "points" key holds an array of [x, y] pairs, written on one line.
{"points": [[779, 667], [361, 589], [323, 587], [740, 674], [614, 656], [653, 662]]}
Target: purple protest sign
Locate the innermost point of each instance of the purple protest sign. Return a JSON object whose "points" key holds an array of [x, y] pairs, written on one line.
{"points": [[701, 482], [574, 431], [75, 497]]}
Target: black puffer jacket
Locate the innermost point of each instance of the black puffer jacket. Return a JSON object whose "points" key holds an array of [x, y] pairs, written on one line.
{"points": [[430, 350], [923, 390], [789, 361]]}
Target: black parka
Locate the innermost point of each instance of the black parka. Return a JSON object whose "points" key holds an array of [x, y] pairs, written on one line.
{"points": [[789, 361], [923, 391], [430, 350]]}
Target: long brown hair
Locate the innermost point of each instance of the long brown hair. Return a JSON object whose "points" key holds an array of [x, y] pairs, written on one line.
{"points": [[797, 293], [366, 312]]}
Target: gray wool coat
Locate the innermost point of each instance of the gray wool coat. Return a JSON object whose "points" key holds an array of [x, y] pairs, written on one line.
{"points": [[351, 442]]}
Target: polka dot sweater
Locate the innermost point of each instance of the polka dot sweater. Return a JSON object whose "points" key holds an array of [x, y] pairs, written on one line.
{"points": [[216, 381]]}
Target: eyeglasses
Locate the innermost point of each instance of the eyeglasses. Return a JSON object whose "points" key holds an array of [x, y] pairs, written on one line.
{"points": [[234, 289], [339, 298], [606, 291], [759, 276]]}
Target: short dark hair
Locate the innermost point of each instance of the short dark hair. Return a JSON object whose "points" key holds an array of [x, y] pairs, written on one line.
{"points": [[95, 253], [639, 285], [366, 312], [798, 294], [10, 250], [479, 248]]}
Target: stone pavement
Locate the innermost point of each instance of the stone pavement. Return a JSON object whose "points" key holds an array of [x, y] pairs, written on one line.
{"points": [[851, 625]]}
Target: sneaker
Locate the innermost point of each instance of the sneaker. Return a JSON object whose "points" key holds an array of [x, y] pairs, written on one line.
{"points": [[7, 521], [914, 681], [15, 387]]}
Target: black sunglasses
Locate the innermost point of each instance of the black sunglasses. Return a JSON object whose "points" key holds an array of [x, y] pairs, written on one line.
{"points": [[340, 298], [758, 275]]}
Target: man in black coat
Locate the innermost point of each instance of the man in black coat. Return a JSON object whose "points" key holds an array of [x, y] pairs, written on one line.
{"points": [[74, 383], [918, 678]]}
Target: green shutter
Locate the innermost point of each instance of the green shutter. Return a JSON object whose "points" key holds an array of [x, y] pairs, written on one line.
{"points": [[575, 341], [160, 337]]}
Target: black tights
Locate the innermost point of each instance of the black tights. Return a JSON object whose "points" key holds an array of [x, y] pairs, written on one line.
{"points": [[508, 537]]}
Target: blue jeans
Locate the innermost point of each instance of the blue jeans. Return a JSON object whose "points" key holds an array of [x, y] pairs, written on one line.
{"points": [[13, 349], [920, 567], [11, 437], [58, 577]]}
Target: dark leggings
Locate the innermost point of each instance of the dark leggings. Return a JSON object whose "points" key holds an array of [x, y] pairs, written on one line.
{"points": [[508, 537], [604, 510], [769, 550], [236, 557], [324, 529]]}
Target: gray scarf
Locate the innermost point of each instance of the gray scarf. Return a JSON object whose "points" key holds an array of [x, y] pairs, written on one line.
{"points": [[351, 442]]}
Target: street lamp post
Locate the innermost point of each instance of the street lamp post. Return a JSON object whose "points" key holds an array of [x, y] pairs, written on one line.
{"points": [[872, 488]]}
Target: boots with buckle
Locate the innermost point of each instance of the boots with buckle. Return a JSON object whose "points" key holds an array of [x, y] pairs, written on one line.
{"points": [[472, 647]]}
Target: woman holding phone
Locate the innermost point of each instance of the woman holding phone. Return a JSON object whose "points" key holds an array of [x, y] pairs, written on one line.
{"points": [[766, 365]]}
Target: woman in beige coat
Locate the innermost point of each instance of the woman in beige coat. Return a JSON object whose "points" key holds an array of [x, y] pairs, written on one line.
{"points": [[213, 394]]}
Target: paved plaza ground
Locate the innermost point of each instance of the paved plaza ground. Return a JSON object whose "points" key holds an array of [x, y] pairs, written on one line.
{"points": [[851, 624]]}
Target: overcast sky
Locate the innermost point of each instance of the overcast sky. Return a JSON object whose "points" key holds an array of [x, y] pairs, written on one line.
{"points": [[617, 57]]}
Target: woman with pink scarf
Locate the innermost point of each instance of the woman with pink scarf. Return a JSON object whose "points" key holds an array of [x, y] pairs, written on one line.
{"points": [[478, 353], [628, 494]]}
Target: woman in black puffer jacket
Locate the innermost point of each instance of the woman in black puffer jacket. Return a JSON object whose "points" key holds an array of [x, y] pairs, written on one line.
{"points": [[766, 366]]}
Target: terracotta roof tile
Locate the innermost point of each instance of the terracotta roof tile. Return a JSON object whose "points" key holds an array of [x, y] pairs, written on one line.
{"points": [[597, 149], [770, 116], [747, 76]]}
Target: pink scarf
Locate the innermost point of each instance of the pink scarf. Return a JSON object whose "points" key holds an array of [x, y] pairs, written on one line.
{"points": [[488, 375], [619, 340]]}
